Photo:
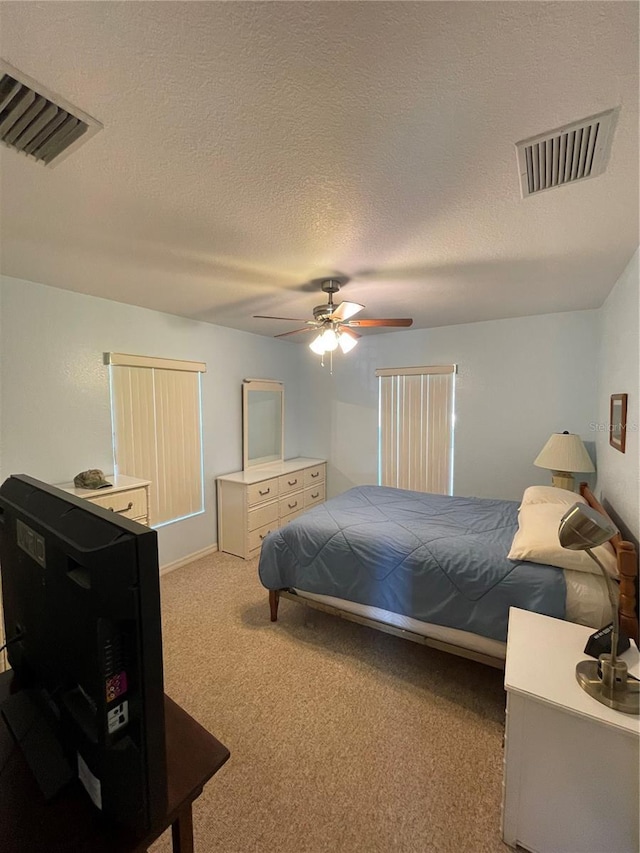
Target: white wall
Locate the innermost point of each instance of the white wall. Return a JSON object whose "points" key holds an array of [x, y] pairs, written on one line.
{"points": [[519, 380], [619, 473], [55, 418]]}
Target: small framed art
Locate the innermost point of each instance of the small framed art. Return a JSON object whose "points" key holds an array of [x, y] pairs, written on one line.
{"points": [[618, 421]]}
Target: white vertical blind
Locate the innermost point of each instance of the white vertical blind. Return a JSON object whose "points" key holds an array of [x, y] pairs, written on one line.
{"points": [[416, 428], [178, 442], [157, 434]]}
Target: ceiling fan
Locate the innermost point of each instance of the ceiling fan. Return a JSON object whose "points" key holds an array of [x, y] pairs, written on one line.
{"points": [[334, 323]]}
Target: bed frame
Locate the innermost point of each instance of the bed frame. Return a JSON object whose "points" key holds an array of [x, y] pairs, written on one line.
{"points": [[626, 556]]}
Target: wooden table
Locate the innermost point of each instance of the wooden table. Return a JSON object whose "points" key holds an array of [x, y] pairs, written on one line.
{"points": [[71, 824]]}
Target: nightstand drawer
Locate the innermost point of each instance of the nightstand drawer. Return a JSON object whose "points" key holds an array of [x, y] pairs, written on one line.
{"points": [[264, 491], [314, 475], [130, 504]]}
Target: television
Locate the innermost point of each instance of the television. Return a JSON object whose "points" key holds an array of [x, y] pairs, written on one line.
{"points": [[81, 596]]}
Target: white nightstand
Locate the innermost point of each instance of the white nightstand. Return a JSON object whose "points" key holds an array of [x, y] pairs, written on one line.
{"points": [[571, 765], [128, 496]]}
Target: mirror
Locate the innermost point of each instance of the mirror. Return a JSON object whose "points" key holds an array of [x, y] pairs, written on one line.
{"points": [[262, 422]]}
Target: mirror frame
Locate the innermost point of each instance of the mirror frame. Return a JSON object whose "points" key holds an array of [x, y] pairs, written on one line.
{"points": [[249, 385]]}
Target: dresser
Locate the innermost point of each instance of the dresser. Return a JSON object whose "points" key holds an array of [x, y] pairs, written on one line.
{"points": [[128, 497], [254, 502], [571, 765]]}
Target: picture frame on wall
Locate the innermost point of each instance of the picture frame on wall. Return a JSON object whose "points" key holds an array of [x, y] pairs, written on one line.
{"points": [[618, 421]]}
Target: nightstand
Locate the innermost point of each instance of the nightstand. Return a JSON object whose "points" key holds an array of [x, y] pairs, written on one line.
{"points": [[571, 765], [128, 496]]}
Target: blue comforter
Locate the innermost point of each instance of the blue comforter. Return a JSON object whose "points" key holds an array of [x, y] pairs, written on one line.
{"points": [[435, 558]]}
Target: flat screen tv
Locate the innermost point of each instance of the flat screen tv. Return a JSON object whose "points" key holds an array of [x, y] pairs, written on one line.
{"points": [[81, 600]]}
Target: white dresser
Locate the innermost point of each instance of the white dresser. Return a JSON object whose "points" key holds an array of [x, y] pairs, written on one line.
{"points": [[129, 497], [571, 765], [254, 502]]}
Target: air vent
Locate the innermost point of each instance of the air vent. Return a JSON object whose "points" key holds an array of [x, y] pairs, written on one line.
{"points": [[38, 123], [568, 154]]}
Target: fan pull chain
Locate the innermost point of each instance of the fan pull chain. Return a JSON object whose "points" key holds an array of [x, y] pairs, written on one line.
{"points": [[330, 362]]}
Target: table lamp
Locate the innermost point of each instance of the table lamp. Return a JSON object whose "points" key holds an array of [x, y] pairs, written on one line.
{"points": [[563, 454], [581, 529]]}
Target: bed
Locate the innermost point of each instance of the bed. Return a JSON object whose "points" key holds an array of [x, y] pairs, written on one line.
{"points": [[435, 569]]}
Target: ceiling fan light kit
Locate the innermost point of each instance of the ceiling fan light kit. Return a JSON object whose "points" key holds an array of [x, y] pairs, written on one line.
{"points": [[334, 324]]}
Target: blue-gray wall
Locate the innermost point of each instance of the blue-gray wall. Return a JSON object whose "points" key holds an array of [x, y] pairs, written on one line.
{"points": [[55, 416], [519, 380], [618, 373]]}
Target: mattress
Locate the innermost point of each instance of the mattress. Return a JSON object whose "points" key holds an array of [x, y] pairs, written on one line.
{"points": [[587, 603], [433, 558]]}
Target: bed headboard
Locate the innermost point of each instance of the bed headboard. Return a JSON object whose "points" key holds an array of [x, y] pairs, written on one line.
{"points": [[627, 569]]}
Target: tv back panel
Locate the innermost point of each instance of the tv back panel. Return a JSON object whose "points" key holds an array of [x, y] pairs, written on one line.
{"points": [[81, 602]]}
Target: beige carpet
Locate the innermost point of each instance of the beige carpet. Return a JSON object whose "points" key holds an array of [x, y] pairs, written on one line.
{"points": [[342, 738]]}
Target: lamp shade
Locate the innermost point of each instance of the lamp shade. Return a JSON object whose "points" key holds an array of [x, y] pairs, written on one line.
{"points": [[317, 345], [564, 452], [347, 343], [329, 340], [583, 527]]}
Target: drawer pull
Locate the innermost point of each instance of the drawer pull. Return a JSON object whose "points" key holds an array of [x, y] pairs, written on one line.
{"points": [[262, 535], [317, 495], [125, 509], [292, 482], [316, 474], [266, 491], [293, 506]]}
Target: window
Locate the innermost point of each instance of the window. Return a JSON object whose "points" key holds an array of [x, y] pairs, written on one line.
{"points": [[157, 430], [416, 428]]}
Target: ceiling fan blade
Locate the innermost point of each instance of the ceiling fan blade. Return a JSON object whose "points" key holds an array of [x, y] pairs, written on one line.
{"points": [[269, 317], [296, 331], [347, 331], [399, 321], [346, 310]]}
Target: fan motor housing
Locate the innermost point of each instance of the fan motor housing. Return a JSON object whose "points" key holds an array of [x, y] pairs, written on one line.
{"points": [[321, 312]]}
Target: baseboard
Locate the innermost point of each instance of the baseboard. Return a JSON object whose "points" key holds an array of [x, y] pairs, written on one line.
{"points": [[183, 561]]}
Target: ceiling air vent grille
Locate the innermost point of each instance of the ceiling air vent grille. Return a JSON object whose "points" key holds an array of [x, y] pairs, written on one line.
{"points": [[37, 123], [568, 154]]}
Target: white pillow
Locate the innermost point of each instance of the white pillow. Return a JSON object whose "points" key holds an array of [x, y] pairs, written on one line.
{"points": [[550, 495], [536, 541]]}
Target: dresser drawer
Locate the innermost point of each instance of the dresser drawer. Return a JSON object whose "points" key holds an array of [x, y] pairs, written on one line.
{"points": [[263, 515], [263, 491], [314, 495], [291, 516], [293, 482], [314, 475], [131, 504], [256, 536], [292, 503]]}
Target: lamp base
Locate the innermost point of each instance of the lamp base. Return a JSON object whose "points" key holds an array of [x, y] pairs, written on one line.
{"points": [[623, 697], [564, 480]]}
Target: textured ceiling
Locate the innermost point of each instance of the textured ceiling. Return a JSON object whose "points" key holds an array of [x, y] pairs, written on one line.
{"points": [[249, 148]]}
